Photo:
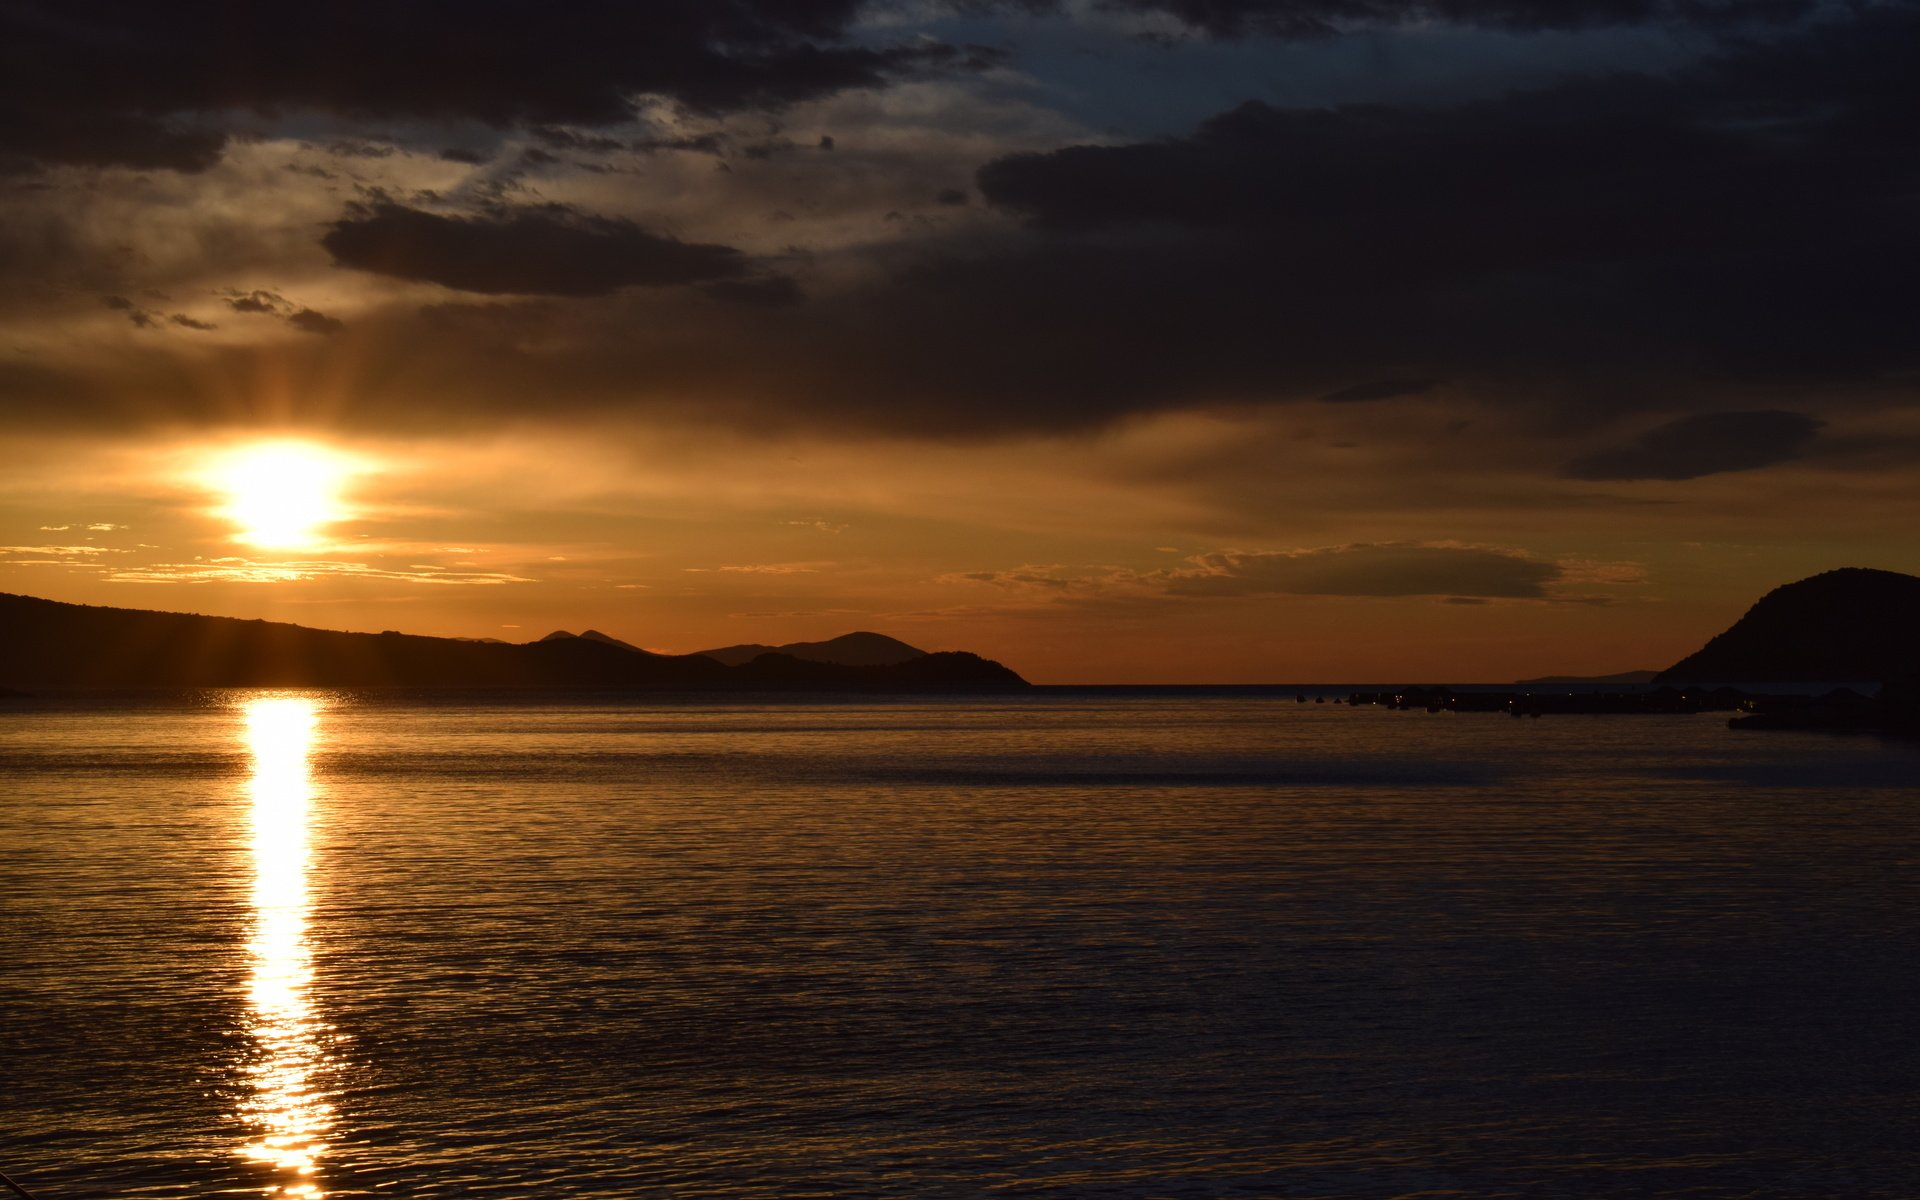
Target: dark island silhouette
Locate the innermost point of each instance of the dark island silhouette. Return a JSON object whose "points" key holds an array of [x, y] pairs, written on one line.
{"points": [[1853, 624], [49, 644], [861, 649]]}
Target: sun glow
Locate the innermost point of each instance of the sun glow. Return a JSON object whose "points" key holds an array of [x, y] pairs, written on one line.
{"points": [[282, 495]]}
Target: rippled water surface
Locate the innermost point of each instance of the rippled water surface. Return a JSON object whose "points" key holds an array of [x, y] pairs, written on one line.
{"points": [[1064, 945]]}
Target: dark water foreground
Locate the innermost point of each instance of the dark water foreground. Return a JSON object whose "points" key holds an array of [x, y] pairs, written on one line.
{"points": [[1061, 945]]}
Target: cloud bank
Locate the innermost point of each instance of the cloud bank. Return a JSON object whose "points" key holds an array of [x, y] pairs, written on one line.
{"points": [[1704, 444], [148, 86], [1387, 569], [546, 251]]}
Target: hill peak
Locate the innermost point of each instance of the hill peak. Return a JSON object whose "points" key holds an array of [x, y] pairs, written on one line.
{"points": [[607, 639], [591, 635]]}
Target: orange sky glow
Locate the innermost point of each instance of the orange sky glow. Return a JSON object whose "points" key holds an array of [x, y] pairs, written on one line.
{"points": [[1120, 558]]}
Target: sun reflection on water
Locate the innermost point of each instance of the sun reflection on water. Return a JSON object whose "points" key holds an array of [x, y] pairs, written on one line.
{"points": [[289, 1115]]}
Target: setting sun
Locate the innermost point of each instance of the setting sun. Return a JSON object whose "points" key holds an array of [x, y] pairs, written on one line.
{"points": [[281, 495]]}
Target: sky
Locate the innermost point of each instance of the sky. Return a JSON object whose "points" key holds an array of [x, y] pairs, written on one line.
{"points": [[1118, 340]]}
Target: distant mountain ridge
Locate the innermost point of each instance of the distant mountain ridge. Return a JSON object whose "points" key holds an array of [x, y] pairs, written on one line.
{"points": [[1622, 677], [860, 649], [1854, 623], [594, 635], [46, 643]]}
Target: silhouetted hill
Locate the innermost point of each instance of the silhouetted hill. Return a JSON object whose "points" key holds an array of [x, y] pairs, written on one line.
{"points": [[594, 635], [1853, 623], [44, 643], [849, 649], [929, 671]]}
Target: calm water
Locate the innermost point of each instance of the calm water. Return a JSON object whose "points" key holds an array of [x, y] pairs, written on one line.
{"points": [[326, 945]]}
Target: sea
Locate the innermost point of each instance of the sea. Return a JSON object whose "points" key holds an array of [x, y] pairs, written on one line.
{"points": [[1068, 943]]}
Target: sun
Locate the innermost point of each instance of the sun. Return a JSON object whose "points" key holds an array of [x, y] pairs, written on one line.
{"points": [[283, 494]]}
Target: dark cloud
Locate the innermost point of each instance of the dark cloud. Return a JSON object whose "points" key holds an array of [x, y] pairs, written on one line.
{"points": [[33, 132], [268, 303], [308, 321], [1589, 171], [547, 251], [145, 85], [1325, 18], [1385, 569], [273, 304], [1381, 389], [1578, 252], [1743, 222], [357, 148], [187, 322], [705, 143], [773, 292], [569, 139], [104, 82], [1703, 444], [144, 318], [1461, 574]]}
